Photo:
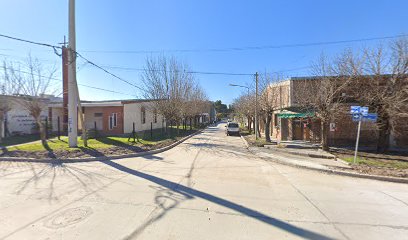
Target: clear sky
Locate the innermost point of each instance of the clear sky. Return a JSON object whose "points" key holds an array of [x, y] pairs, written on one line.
{"points": [[108, 31]]}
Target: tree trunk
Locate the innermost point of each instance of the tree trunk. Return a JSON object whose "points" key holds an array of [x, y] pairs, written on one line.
{"points": [[383, 133], [268, 127], [1, 126], [42, 131], [324, 134], [259, 130], [249, 125]]}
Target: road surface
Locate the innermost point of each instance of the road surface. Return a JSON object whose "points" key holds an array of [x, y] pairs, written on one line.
{"points": [[209, 187]]}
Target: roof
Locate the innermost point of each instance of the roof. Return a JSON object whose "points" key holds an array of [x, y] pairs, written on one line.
{"points": [[105, 103]]}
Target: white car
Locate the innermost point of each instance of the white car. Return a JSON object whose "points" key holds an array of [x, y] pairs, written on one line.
{"points": [[232, 128]]}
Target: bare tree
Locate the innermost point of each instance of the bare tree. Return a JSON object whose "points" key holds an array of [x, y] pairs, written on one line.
{"points": [[244, 108], [323, 94], [30, 88], [174, 86], [268, 101], [385, 85]]}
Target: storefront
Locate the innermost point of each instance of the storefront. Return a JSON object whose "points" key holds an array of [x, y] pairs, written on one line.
{"points": [[298, 126]]}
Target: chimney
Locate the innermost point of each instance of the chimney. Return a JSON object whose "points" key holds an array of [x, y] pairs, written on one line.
{"points": [[65, 89]]}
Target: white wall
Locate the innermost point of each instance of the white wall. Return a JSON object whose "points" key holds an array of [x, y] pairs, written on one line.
{"points": [[132, 114], [20, 121]]}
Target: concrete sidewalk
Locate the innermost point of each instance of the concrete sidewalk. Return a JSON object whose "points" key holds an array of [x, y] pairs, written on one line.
{"points": [[300, 158], [301, 151]]}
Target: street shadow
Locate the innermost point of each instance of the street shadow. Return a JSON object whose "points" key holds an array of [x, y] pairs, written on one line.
{"points": [[91, 151], [50, 151], [82, 178], [114, 142], [191, 193], [152, 157]]}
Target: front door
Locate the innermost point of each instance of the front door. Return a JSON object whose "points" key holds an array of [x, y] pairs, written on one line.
{"points": [[297, 129]]}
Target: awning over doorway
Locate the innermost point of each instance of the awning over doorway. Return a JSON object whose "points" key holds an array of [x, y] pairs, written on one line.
{"points": [[295, 115]]}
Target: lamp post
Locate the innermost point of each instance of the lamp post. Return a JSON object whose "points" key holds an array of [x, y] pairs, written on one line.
{"points": [[236, 85]]}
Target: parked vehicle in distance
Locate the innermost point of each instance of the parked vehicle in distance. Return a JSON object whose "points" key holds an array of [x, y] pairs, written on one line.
{"points": [[232, 128]]}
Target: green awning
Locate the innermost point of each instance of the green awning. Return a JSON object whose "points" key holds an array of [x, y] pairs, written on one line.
{"points": [[295, 115]]}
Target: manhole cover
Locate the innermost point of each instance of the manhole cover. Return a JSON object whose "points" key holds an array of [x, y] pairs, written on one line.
{"points": [[69, 217]]}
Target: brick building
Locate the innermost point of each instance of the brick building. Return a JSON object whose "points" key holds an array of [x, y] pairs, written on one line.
{"points": [[291, 122], [113, 117]]}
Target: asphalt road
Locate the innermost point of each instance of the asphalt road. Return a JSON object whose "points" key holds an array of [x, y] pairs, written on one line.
{"points": [[209, 187]]}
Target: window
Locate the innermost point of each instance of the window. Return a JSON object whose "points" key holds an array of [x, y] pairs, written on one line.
{"points": [[113, 121], [155, 116], [143, 115]]}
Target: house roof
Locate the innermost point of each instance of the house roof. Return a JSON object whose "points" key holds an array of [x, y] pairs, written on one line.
{"points": [[105, 103]]}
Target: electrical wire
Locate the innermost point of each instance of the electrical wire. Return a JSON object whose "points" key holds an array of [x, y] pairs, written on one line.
{"points": [[246, 48], [79, 84], [77, 54]]}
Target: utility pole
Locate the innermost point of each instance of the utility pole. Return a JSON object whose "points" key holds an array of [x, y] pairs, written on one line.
{"points": [[256, 106], [72, 88]]}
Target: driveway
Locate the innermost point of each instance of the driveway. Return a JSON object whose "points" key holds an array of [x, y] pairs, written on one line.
{"points": [[209, 187]]}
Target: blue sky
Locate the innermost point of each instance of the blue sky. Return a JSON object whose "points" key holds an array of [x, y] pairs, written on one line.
{"points": [[133, 25]]}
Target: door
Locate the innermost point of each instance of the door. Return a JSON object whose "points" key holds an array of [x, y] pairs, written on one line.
{"points": [[297, 129]]}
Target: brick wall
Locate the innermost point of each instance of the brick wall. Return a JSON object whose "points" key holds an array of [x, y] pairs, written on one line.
{"points": [[107, 111]]}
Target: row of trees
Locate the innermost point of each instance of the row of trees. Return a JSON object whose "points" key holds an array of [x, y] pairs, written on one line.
{"points": [[374, 77], [25, 84], [180, 96]]}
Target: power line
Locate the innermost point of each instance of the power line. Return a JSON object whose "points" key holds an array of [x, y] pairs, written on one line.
{"points": [[246, 48], [108, 72], [60, 80], [77, 54], [33, 42], [204, 73]]}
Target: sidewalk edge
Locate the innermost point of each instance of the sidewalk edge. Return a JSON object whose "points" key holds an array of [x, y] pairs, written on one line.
{"points": [[96, 159], [331, 171]]}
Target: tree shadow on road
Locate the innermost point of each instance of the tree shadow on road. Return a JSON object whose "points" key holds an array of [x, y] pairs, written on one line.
{"points": [[191, 193]]}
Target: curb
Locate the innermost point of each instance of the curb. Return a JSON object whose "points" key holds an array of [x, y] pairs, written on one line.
{"points": [[331, 171], [98, 159], [312, 155]]}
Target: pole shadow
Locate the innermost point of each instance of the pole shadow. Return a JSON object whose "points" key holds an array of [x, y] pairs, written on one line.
{"points": [[192, 193]]}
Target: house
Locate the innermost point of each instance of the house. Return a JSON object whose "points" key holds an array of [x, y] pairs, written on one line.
{"points": [[291, 122], [113, 117]]}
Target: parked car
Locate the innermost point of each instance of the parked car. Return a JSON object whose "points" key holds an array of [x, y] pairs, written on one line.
{"points": [[232, 128]]}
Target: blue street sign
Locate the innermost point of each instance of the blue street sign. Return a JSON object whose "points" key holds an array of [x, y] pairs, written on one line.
{"points": [[355, 109], [364, 111], [370, 117], [356, 117]]}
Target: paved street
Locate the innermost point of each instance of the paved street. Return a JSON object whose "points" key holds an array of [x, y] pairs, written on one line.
{"points": [[209, 187]]}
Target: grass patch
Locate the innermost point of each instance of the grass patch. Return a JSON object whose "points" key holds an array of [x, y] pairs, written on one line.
{"points": [[14, 140], [145, 138], [55, 144], [378, 163]]}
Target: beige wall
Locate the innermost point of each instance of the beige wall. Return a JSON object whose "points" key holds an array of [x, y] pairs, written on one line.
{"points": [[56, 112], [90, 118], [280, 94], [132, 114]]}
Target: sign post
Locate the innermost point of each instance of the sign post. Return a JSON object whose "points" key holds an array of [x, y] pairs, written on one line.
{"points": [[357, 140], [356, 112], [361, 114]]}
